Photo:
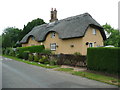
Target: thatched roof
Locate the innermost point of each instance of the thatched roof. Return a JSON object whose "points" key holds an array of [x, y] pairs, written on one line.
{"points": [[71, 27]]}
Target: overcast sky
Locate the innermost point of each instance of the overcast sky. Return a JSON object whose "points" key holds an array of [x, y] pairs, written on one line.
{"points": [[17, 13]]}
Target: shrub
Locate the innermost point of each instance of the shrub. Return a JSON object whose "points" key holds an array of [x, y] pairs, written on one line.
{"points": [[7, 50], [3, 51], [103, 59], [46, 51], [31, 57], [36, 58], [53, 62], [31, 49], [44, 59], [25, 55], [11, 52], [77, 53]]}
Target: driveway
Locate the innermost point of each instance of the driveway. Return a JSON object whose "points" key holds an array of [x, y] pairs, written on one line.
{"points": [[21, 75]]}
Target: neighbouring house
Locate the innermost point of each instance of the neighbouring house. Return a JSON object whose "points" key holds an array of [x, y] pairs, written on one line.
{"points": [[67, 36]]}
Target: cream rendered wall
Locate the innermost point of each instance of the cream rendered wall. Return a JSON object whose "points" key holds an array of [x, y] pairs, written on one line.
{"points": [[64, 46], [31, 43], [96, 39]]}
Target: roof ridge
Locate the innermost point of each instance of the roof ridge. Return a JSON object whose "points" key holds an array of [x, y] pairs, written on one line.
{"points": [[75, 17]]}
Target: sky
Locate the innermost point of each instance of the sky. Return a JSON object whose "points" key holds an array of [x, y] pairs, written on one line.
{"points": [[17, 13]]}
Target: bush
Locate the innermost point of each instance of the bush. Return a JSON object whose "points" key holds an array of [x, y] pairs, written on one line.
{"points": [[3, 51], [11, 52], [31, 57], [25, 55], [77, 54], [31, 49], [7, 50], [53, 62], [36, 58], [44, 60], [46, 51], [103, 59]]}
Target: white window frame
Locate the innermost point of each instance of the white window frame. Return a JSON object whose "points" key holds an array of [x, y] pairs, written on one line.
{"points": [[53, 46], [91, 44], [53, 35], [94, 31]]}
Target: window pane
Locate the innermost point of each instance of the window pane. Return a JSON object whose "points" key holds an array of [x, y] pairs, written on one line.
{"points": [[53, 46], [94, 31], [90, 44], [53, 35]]}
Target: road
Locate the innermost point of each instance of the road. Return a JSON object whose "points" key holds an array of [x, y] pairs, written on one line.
{"points": [[21, 75]]}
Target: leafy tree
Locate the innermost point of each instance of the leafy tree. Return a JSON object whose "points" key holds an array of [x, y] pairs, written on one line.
{"points": [[30, 25], [10, 36], [114, 38]]}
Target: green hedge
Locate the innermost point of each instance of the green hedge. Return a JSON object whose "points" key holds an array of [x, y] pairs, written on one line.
{"points": [[31, 49], [103, 59]]}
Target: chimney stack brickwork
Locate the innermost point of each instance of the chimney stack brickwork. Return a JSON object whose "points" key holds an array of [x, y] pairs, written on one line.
{"points": [[53, 15]]}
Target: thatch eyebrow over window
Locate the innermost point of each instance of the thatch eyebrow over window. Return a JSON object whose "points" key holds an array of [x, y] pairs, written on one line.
{"points": [[52, 34], [33, 38]]}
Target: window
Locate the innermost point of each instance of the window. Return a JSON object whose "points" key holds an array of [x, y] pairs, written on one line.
{"points": [[33, 38], [94, 31], [90, 44], [53, 35], [53, 46]]}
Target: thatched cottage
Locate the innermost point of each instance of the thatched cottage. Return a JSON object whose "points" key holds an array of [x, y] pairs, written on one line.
{"points": [[67, 36]]}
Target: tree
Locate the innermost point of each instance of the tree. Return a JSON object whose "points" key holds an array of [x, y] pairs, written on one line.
{"points": [[10, 36], [114, 38], [30, 25]]}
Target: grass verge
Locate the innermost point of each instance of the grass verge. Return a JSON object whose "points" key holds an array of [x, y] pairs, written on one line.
{"points": [[30, 62], [64, 69], [97, 77]]}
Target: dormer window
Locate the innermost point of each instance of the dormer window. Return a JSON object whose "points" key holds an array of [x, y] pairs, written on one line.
{"points": [[94, 31], [53, 35], [33, 38]]}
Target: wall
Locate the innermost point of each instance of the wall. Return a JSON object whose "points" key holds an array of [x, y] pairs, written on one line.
{"points": [[31, 43], [64, 46], [91, 38]]}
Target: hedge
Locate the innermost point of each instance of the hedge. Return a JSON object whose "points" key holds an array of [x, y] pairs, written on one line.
{"points": [[31, 49], [104, 59]]}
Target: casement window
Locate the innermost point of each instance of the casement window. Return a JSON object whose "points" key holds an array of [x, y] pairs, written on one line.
{"points": [[53, 46], [91, 45], [53, 35], [94, 31]]}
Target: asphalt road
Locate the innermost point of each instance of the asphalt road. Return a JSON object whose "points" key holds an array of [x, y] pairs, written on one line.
{"points": [[20, 75]]}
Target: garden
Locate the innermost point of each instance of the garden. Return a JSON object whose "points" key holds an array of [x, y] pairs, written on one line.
{"points": [[40, 55]]}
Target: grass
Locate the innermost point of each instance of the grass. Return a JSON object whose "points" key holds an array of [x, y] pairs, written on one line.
{"points": [[64, 69], [97, 77], [31, 62]]}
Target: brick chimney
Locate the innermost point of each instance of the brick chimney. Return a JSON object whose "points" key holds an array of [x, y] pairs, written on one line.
{"points": [[53, 15]]}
